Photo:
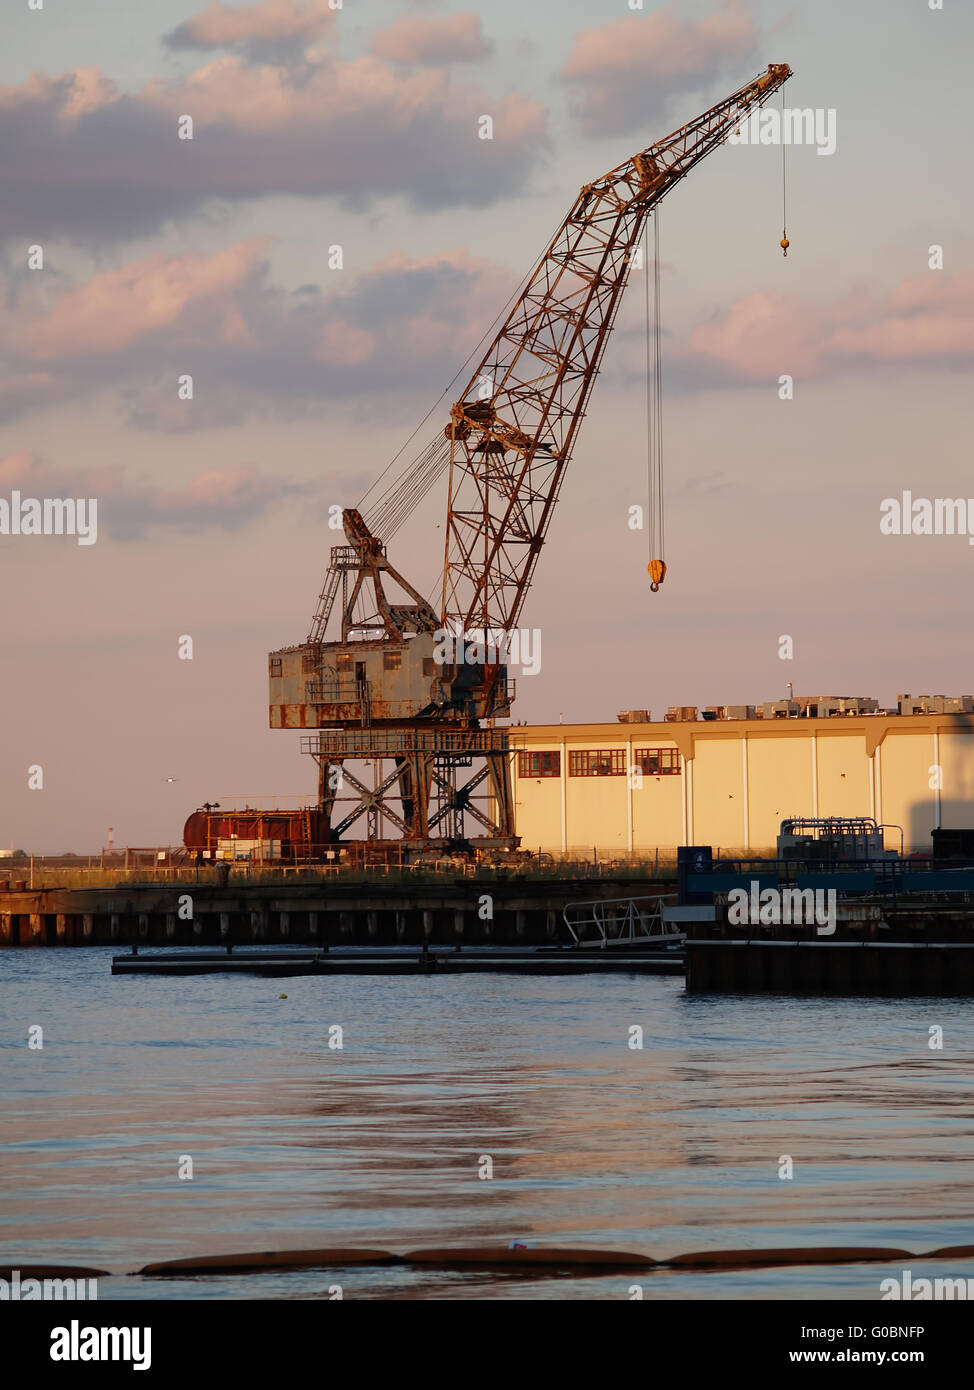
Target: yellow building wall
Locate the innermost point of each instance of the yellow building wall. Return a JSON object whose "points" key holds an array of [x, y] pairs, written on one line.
{"points": [[537, 806], [718, 794], [907, 799], [957, 793], [779, 785], [657, 807], [843, 776], [596, 805]]}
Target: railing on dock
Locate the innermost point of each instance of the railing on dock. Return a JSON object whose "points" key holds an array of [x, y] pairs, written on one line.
{"points": [[620, 921]]}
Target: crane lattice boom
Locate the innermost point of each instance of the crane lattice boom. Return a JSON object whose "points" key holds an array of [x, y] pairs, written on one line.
{"points": [[512, 431]]}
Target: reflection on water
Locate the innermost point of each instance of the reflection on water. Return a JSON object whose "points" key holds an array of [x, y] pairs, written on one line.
{"points": [[670, 1148]]}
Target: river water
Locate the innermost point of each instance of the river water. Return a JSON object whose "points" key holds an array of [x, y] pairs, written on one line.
{"points": [[672, 1147]]}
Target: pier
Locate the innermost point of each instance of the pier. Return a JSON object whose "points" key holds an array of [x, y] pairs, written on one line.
{"points": [[898, 929], [379, 960], [466, 911]]}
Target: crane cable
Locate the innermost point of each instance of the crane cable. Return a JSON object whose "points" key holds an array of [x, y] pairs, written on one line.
{"points": [[784, 243], [390, 509], [654, 412]]}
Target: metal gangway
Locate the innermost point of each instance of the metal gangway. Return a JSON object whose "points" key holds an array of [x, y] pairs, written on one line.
{"points": [[622, 922]]}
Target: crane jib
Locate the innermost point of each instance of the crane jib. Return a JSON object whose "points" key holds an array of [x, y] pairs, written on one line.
{"points": [[513, 428], [511, 431]]}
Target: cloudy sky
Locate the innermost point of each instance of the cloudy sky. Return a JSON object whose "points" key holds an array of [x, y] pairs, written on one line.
{"points": [[358, 127]]}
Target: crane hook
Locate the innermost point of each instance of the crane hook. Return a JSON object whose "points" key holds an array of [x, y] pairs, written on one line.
{"points": [[784, 243], [657, 573]]}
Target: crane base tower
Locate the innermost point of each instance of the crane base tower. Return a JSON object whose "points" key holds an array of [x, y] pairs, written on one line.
{"points": [[403, 756]]}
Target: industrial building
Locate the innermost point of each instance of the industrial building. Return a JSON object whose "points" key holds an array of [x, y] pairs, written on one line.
{"points": [[637, 786]]}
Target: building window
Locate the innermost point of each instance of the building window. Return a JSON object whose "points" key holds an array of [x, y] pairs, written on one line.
{"points": [[608, 763], [343, 660], [658, 762], [392, 661], [277, 666], [539, 764]]}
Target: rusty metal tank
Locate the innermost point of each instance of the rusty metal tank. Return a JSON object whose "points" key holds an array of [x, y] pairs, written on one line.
{"points": [[259, 834]]}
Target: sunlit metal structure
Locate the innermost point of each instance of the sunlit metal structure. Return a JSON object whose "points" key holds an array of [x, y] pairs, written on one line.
{"points": [[389, 691]]}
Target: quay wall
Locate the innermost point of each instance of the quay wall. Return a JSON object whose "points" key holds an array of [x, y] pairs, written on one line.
{"points": [[186, 914], [916, 947]]}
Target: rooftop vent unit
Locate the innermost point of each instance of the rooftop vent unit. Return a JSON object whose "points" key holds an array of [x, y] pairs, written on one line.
{"points": [[935, 704], [819, 707]]}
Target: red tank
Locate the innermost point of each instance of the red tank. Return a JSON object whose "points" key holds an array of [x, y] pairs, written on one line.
{"points": [[285, 835]]}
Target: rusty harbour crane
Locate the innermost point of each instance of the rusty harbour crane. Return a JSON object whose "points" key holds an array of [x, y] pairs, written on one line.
{"points": [[414, 691]]}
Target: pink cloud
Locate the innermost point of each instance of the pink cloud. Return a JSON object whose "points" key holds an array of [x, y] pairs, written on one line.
{"points": [[760, 336], [19, 469], [21, 391], [450, 39], [83, 159], [927, 319], [624, 71], [344, 342], [234, 94], [120, 307], [238, 485], [249, 345], [264, 25], [216, 497]]}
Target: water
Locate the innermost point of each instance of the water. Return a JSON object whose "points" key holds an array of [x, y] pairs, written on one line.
{"points": [[663, 1150]]}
